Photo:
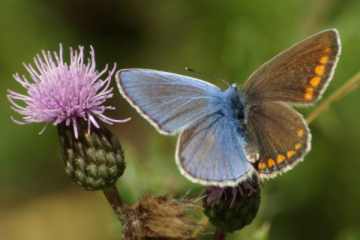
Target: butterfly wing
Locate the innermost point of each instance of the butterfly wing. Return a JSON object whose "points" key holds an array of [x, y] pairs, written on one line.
{"points": [[281, 134], [213, 152], [297, 75], [169, 101]]}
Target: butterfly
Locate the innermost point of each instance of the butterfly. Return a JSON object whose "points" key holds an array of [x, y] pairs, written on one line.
{"points": [[226, 136]]}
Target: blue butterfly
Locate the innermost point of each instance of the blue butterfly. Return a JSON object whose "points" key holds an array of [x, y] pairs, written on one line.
{"points": [[227, 136]]}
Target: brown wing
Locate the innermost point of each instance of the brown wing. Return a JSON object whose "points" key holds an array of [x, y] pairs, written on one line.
{"points": [[300, 74], [282, 137]]}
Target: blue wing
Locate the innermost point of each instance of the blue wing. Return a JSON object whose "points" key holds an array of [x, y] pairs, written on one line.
{"points": [[169, 101], [214, 152]]}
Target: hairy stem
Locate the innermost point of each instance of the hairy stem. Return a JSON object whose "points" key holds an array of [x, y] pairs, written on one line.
{"points": [[219, 235], [113, 197], [351, 85]]}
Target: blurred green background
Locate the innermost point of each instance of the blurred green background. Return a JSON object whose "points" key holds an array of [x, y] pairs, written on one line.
{"points": [[223, 40]]}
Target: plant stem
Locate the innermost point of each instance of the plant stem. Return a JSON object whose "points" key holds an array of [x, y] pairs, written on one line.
{"points": [[351, 85], [219, 235], [113, 197]]}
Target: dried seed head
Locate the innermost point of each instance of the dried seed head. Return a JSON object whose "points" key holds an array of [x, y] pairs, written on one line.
{"points": [[163, 218]]}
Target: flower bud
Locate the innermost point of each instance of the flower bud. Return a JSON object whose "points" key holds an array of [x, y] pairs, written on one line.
{"points": [[232, 208], [93, 159]]}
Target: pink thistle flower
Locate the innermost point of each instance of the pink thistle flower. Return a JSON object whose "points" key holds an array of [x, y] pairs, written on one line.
{"points": [[62, 93]]}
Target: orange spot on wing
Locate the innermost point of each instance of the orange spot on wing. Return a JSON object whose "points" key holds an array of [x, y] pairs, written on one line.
{"points": [[280, 158], [327, 50], [300, 132], [320, 70], [298, 146], [290, 153], [315, 81], [271, 163], [261, 166], [324, 59], [309, 90], [308, 96]]}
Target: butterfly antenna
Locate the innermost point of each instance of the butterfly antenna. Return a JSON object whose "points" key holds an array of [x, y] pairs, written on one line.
{"points": [[226, 82], [189, 69]]}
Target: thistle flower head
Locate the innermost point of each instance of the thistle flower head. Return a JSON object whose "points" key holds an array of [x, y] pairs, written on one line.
{"points": [[64, 93]]}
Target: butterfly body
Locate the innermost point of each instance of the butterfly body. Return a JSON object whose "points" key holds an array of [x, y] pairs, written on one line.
{"points": [[236, 102], [227, 136]]}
